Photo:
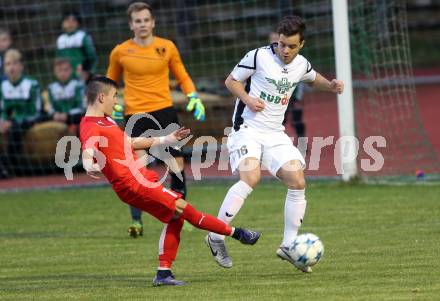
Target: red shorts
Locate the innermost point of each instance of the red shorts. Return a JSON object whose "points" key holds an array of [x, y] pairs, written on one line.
{"points": [[158, 201]]}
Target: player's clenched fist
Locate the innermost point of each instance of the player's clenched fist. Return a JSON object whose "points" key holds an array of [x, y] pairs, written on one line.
{"points": [[255, 104], [337, 86]]}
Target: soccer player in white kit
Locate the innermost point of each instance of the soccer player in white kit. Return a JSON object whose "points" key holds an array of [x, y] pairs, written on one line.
{"points": [[263, 82]]}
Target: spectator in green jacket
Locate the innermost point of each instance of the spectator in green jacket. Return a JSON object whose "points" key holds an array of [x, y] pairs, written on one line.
{"points": [[77, 45], [66, 94], [20, 104]]}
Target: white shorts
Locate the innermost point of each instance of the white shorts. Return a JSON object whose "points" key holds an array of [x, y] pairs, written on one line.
{"points": [[272, 149]]}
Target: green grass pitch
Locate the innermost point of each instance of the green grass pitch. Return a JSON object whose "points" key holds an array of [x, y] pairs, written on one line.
{"points": [[381, 243]]}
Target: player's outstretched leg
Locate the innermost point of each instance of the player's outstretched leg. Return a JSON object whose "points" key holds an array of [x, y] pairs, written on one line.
{"points": [[210, 223], [170, 238], [218, 248], [246, 236]]}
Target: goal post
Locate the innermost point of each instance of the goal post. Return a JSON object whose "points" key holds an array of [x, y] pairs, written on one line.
{"points": [[345, 100]]}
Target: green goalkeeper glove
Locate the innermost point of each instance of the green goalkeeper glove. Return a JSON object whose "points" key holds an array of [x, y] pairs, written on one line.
{"points": [[118, 112], [194, 103]]}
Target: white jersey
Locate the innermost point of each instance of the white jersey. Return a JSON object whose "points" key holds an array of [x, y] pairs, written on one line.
{"points": [[268, 78]]}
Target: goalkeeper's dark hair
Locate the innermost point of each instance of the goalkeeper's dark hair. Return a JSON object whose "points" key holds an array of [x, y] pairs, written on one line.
{"points": [[138, 6], [292, 25], [98, 84]]}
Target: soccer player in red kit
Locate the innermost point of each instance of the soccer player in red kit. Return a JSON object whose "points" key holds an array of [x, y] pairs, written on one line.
{"points": [[108, 150]]}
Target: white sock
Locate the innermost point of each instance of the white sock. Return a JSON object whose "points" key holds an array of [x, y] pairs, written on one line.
{"points": [[232, 203], [294, 210]]}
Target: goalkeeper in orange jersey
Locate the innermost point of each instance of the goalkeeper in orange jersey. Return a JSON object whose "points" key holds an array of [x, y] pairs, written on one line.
{"points": [[108, 150], [144, 62]]}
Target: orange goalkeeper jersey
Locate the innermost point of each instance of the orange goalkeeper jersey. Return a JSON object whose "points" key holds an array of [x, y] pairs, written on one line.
{"points": [[146, 74]]}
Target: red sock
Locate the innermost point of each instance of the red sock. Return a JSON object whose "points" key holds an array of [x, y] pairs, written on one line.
{"points": [[169, 243], [205, 221]]}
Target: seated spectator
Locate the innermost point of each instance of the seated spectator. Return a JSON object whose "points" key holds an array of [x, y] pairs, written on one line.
{"points": [[5, 44], [66, 95], [76, 45], [20, 104]]}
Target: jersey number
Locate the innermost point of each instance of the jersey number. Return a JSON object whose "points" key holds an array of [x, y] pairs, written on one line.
{"points": [[242, 151]]}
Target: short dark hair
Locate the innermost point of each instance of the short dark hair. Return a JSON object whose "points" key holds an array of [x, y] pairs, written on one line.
{"points": [[138, 6], [74, 14], [98, 84], [292, 25]]}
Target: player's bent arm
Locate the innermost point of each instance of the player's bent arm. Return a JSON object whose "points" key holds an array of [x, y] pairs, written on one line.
{"points": [[144, 142], [93, 169], [179, 72], [237, 89], [323, 84]]}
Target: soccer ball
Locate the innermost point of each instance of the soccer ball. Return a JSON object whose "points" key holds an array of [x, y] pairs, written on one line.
{"points": [[306, 250]]}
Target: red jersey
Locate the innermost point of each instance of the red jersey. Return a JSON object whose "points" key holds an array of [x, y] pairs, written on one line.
{"points": [[105, 137], [130, 181]]}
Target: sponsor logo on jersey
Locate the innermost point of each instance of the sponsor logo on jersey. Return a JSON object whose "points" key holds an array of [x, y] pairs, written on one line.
{"points": [[283, 85], [274, 99]]}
